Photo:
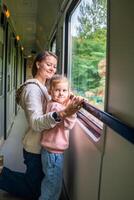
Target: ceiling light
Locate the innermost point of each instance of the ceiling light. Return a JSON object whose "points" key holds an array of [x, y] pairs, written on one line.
{"points": [[17, 37], [6, 11]]}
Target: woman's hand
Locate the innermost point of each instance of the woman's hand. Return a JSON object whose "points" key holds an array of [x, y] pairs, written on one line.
{"points": [[73, 106]]}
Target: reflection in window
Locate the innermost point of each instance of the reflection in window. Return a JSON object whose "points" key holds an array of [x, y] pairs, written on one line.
{"points": [[53, 45], [88, 50]]}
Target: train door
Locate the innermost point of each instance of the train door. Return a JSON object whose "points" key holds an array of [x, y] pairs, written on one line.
{"points": [[19, 67], [9, 79], [2, 99], [15, 70]]}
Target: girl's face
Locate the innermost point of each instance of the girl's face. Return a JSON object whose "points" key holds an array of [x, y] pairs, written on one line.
{"points": [[46, 68], [60, 92]]}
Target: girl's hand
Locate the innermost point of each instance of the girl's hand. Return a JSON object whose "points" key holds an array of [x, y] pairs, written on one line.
{"points": [[73, 95], [73, 106]]}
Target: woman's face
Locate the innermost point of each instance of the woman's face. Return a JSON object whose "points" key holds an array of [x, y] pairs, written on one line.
{"points": [[47, 67]]}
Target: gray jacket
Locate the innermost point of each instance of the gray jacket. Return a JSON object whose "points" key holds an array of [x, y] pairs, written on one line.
{"points": [[33, 100]]}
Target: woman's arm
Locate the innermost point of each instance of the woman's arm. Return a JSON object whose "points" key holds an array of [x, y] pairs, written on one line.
{"points": [[33, 99], [68, 122]]}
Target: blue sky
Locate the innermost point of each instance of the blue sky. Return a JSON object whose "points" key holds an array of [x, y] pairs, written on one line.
{"points": [[74, 21]]}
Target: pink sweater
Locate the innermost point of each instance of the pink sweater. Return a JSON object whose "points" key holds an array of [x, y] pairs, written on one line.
{"points": [[56, 139]]}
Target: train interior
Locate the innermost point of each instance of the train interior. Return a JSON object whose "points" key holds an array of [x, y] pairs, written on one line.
{"points": [[99, 164]]}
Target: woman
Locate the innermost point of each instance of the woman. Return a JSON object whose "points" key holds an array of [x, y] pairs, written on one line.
{"points": [[33, 99]]}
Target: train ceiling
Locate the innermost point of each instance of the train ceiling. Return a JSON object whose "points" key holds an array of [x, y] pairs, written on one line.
{"points": [[33, 20]]}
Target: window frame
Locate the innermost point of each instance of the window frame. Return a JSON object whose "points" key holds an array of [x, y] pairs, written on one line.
{"points": [[89, 124], [53, 40]]}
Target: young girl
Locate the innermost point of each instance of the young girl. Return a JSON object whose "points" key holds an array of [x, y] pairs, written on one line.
{"points": [[54, 141]]}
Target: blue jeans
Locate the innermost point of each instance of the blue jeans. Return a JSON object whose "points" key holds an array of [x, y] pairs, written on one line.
{"points": [[26, 184], [51, 185]]}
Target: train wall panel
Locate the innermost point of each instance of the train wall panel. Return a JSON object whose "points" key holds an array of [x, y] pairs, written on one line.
{"points": [[118, 169], [121, 61], [82, 166], [118, 164], [1, 117]]}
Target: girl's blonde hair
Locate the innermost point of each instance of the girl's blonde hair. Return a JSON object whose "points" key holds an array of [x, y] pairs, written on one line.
{"points": [[57, 78]]}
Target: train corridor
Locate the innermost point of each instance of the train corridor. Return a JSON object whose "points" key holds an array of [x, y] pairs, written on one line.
{"points": [[12, 150]]}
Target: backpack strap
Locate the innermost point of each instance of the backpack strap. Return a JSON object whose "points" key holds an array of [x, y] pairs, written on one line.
{"points": [[20, 90]]}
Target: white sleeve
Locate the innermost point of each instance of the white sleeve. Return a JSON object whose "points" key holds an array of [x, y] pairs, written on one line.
{"points": [[33, 107]]}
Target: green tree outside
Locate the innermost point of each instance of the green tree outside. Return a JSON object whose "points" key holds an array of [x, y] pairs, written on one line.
{"points": [[89, 46]]}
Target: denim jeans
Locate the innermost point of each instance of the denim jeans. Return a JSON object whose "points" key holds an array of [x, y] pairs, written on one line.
{"points": [[51, 185], [24, 184]]}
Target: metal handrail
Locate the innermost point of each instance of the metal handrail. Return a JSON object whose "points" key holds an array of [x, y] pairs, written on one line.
{"points": [[111, 121]]}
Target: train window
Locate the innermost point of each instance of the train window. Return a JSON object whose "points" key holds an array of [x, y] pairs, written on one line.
{"points": [[10, 48], [14, 69], [87, 38], [53, 45], [87, 50], [1, 50], [21, 69]]}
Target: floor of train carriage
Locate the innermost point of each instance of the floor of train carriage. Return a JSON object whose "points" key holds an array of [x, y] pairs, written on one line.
{"points": [[12, 150]]}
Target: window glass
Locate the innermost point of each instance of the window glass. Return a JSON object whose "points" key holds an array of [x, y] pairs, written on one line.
{"points": [[53, 45], [87, 50]]}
